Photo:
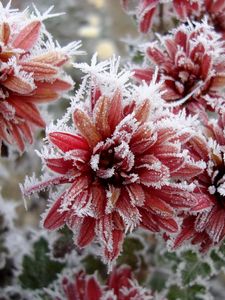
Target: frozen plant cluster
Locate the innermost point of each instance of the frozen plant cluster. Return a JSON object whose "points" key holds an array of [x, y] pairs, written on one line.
{"points": [[133, 172]]}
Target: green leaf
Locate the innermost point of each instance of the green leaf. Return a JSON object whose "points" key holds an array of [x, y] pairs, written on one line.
{"points": [[93, 263], [38, 269], [194, 267], [158, 281], [195, 292], [64, 244], [129, 254]]}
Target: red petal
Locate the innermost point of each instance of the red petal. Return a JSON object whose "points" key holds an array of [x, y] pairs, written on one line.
{"points": [[136, 193], [18, 85], [93, 290], [86, 127], [79, 186], [173, 162], [17, 136], [142, 111], [4, 32], [117, 241], [57, 85], [143, 74], [206, 65], [170, 225], [115, 110], [171, 47], [59, 165], [101, 116], [153, 177], [98, 200], [127, 211], [28, 36], [67, 142], [181, 39], [155, 55], [41, 71], [54, 218], [186, 233], [188, 171], [148, 220], [158, 206], [142, 140], [53, 58], [41, 95], [27, 111], [86, 232], [146, 11]]}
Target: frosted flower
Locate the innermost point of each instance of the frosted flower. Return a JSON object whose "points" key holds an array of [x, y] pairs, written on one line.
{"points": [[191, 64], [118, 161], [120, 285], [216, 13], [207, 227], [30, 73], [146, 9]]}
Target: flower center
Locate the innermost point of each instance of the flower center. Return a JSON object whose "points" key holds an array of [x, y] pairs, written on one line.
{"points": [[111, 162], [106, 159], [219, 185]]}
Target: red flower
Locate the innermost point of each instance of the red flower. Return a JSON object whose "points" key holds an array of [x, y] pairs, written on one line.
{"points": [[146, 10], [216, 13], [120, 168], [30, 73], [83, 287], [190, 65], [121, 285], [207, 227]]}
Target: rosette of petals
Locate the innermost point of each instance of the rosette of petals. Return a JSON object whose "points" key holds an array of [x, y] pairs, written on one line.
{"points": [[120, 285], [145, 10], [206, 228], [30, 73], [191, 64], [216, 13], [82, 287], [121, 164]]}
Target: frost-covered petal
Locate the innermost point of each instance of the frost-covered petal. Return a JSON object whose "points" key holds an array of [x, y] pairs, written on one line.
{"points": [[28, 36], [67, 142], [86, 127], [55, 218]]}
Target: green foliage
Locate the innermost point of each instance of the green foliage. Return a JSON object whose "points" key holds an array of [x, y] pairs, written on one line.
{"points": [[64, 243], [194, 292], [183, 269], [158, 281], [129, 255], [92, 263], [38, 269], [194, 267]]}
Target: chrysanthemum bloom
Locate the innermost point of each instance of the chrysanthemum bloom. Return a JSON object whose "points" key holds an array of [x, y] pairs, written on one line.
{"points": [[146, 9], [119, 162], [191, 64], [216, 13], [30, 73], [207, 228], [121, 285], [80, 287]]}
